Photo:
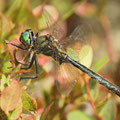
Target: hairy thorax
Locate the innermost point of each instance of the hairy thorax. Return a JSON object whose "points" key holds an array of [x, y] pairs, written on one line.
{"points": [[48, 46]]}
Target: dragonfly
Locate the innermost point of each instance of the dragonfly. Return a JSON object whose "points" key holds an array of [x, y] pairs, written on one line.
{"points": [[50, 45]]}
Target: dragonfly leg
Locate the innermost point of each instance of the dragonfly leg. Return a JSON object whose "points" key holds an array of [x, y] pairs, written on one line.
{"points": [[18, 46], [37, 69], [27, 60]]}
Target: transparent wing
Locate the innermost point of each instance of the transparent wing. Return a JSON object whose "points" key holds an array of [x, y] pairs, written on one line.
{"points": [[67, 76], [81, 35], [53, 27]]}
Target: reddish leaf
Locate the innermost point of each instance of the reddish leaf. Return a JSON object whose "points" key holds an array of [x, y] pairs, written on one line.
{"points": [[36, 11], [10, 97], [17, 112], [27, 117], [43, 18], [19, 54], [11, 47], [46, 111], [84, 9], [43, 60]]}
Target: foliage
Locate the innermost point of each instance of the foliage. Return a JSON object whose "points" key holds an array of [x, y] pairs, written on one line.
{"points": [[38, 99]]}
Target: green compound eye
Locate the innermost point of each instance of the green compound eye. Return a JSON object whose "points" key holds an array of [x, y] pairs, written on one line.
{"points": [[26, 36]]}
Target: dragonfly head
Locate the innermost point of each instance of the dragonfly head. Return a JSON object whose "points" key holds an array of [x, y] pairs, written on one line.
{"points": [[27, 37]]}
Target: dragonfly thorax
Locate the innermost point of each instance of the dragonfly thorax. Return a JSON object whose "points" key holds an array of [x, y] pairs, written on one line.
{"points": [[48, 46]]}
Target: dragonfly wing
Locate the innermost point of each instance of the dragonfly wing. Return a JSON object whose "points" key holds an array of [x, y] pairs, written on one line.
{"points": [[67, 76], [81, 35], [53, 27], [80, 41]]}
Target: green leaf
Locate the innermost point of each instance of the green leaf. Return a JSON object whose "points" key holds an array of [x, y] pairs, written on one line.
{"points": [[5, 68], [100, 63], [10, 97], [46, 111], [6, 26], [17, 112], [50, 15], [93, 85], [2, 47], [42, 22], [4, 82], [66, 5], [72, 54], [13, 7], [86, 55], [20, 12], [28, 102], [57, 117], [93, 89], [84, 90], [78, 115], [108, 111]]}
